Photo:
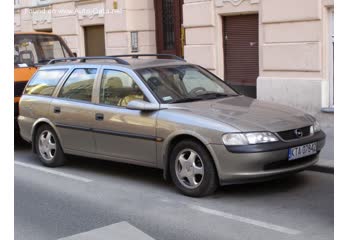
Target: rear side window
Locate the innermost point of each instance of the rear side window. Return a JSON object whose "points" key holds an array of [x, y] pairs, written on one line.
{"points": [[79, 85], [44, 82]]}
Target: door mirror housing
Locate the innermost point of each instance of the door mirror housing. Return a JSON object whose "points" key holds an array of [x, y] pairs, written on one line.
{"points": [[142, 105]]}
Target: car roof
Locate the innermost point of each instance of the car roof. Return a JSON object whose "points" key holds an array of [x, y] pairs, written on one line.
{"points": [[131, 63]]}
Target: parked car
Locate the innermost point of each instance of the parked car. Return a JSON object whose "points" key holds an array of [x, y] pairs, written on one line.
{"points": [[32, 50], [167, 114]]}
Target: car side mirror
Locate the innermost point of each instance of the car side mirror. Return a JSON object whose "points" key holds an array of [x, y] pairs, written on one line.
{"points": [[142, 105]]}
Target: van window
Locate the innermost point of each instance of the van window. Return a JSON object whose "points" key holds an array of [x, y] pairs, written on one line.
{"points": [[34, 49], [118, 89], [44, 82], [79, 84]]}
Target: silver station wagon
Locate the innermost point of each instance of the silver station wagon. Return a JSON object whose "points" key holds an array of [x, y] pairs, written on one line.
{"points": [[164, 113]]}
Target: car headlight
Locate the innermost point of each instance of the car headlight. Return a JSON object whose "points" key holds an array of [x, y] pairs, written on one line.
{"points": [[234, 139], [316, 127]]}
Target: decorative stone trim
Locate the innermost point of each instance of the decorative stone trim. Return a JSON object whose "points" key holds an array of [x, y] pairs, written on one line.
{"points": [[84, 2], [41, 15], [94, 9], [220, 3]]}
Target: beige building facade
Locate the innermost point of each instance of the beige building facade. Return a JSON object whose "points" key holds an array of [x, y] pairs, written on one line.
{"points": [[276, 50]]}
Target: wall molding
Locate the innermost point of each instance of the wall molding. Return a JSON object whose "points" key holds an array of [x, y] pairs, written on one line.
{"points": [[220, 3], [41, 15]]}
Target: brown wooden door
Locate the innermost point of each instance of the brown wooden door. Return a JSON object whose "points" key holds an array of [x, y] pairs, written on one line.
{"points": [[168, 26], [95, 41], [241, 52]]}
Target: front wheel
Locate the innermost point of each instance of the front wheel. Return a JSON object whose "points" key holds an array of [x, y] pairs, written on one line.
{"points": [[192, 169], [48, 147]]}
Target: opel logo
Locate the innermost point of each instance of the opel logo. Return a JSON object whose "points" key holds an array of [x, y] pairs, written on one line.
{"points": [[298, 133]]}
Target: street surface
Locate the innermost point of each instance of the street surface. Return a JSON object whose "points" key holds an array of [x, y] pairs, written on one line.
{"points": [[89, 198]]}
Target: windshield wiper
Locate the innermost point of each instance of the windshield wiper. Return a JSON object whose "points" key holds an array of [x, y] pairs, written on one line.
{"points": [[204, 96], [187, 99], [210, 95]]}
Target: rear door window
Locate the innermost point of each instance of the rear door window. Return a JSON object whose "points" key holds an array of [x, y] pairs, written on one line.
{"points": [[44, 82], [79, 85]]}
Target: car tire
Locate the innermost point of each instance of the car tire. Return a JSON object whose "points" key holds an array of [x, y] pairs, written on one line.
{"points": [[48, 147], [192, 169]]}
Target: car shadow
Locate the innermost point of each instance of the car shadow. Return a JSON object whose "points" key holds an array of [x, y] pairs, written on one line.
{"points": [[124, 171], [21, 145], [278, 185]]}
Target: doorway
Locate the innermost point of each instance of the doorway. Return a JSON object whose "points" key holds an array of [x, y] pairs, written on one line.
{"points": [[169, 32], [94, 40], [241, 52]]}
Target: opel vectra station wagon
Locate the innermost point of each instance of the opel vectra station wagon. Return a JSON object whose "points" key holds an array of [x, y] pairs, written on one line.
{"points": [[164, 113]]}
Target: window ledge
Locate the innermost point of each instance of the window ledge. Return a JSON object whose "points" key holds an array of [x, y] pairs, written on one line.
{"points": [[328, 110]]}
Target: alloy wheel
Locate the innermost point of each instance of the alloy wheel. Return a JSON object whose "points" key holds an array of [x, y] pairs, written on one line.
{"points": [[189, 168], [47, 145]]}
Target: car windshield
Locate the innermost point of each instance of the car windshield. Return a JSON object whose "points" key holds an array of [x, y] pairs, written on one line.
{"points": [[184, 83], [38, 49]]}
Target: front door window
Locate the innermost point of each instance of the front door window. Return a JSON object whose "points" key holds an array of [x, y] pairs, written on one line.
{"points": [[118, 89]]}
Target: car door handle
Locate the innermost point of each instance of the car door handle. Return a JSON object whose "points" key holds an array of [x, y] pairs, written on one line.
{"points": [[99, 117], [57, 110]]}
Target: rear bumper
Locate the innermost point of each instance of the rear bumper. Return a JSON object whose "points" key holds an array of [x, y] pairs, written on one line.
{"points": [[259, 164]]}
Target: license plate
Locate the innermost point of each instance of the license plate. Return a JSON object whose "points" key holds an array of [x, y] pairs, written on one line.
{"points": [[302, 151]]}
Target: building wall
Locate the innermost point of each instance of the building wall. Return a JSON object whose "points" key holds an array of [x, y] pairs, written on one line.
{"points": [[68, 18], [293, 46], [294, 54]]}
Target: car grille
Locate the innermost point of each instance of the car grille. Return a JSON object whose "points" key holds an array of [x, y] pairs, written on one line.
{"points": [[291, 135]]}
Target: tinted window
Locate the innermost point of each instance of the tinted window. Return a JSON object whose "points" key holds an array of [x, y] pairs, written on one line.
{"points": [[118, 89], [79, 84], [44, 82]]}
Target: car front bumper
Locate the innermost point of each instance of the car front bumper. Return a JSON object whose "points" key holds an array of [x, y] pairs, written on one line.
{"points": [[262, 162]]}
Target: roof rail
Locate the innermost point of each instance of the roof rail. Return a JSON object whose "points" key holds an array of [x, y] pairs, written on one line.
{"points": [[83, 59], [171, 56]]}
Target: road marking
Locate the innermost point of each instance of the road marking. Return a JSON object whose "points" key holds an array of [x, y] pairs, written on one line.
{"points": [[117, 231], [246, 220], [237, 218], [54, 172]]}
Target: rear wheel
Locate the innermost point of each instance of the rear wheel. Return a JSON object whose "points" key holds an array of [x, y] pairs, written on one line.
{"points": [[48, 147], [192, 169]]}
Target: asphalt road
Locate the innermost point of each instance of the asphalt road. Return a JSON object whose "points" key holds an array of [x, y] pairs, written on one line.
{"points": [[87, 195]]}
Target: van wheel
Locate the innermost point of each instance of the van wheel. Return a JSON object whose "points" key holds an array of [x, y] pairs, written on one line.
{"points": [[192, 169], [48, 147]]}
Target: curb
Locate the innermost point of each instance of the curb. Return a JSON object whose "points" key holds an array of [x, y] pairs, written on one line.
{"points": [[322, 169]]}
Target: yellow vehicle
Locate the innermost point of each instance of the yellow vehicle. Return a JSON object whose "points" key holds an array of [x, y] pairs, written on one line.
{"points": [[32, 50]]}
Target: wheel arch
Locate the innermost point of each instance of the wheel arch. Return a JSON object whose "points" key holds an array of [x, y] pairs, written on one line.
{"points": [[38, 123], [173, 140]]}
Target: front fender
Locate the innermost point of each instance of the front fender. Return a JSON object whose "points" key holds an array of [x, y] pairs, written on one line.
{"points": [[165, 148]]}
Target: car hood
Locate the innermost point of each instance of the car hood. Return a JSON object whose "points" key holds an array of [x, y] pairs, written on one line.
{"points": [[248, 114]]}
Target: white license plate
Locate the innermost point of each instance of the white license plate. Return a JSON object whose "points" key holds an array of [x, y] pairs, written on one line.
{"points": [[302, 151]]}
